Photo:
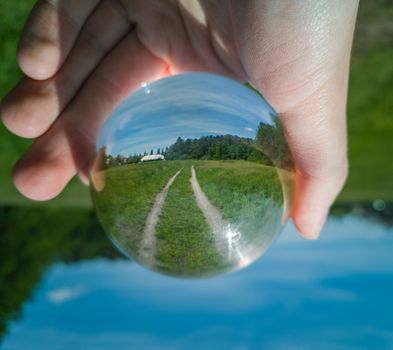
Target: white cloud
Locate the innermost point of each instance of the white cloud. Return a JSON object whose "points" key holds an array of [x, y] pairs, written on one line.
{"points": [[182, 108], [62, 295]]}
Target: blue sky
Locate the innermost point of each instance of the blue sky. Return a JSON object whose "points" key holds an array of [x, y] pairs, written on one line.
{"points": [[334, 293], [189, 106]]}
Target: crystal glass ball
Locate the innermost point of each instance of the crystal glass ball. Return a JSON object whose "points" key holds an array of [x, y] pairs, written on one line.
{"points": [[192, 175]]}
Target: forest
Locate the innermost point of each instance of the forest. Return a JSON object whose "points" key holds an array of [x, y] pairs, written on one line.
{"points": [[269, 147], [223, 147]]}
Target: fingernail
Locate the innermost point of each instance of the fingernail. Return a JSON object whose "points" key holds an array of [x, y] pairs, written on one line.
{"points": [[84, 179], [315, 227], [312, 229]]}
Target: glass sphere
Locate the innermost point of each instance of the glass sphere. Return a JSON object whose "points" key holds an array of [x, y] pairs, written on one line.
{"points": [[192, 175]]}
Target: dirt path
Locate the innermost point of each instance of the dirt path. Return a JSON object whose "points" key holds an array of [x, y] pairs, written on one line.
{"points": [[147, 247], [226, 239]]}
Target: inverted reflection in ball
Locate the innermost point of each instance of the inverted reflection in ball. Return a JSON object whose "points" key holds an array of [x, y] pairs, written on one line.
{"points": [[192, 175]]}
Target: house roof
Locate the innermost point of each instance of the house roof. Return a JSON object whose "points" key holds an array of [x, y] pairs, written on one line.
{"points": [[152, 157]]}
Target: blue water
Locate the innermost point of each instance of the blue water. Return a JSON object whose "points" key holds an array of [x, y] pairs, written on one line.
{"points": [[335, 293]]}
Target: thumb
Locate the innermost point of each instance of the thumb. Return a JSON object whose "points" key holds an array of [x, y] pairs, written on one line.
{"points": [[297, 55], [316, 134]]}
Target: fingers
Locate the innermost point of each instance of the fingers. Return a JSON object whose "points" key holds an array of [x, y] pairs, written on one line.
{"points": [[49, 35], [31, 108], [66, 147]]}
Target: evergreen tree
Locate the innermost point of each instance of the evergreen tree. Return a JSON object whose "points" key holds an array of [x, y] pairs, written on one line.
{"points": [[218, 152], [270, 139]]}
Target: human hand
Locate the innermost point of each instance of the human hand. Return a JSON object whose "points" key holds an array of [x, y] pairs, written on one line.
{"points": [[80, 58]]}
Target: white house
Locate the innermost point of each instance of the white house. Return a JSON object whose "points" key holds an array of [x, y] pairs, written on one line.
{"points": [[152, 157]]}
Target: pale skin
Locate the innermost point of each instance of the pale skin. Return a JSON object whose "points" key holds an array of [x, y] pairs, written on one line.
{"points": [[81, 58]]}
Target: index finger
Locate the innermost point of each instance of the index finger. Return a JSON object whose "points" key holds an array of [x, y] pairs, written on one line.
{"points": [[50, 33]]}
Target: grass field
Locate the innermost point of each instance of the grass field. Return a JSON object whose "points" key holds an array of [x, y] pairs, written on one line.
{"points": [[185, 245], [247, 195], [129, 190], [370, 103]]}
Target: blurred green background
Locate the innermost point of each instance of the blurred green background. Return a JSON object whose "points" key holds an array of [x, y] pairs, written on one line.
{"points": [[33, 235]]}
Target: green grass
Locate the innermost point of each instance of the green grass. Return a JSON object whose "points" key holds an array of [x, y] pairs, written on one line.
{"points": [[370, 126], [185, 245], [127, 198], [248, 195]]}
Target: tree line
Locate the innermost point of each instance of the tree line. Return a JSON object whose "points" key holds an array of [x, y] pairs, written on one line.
{"points": [[222, 147], [269, 147]]}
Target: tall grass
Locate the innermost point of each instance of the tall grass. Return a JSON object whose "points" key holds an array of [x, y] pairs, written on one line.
{"points": [[125, 202], [248, 195], [185, 244]]}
